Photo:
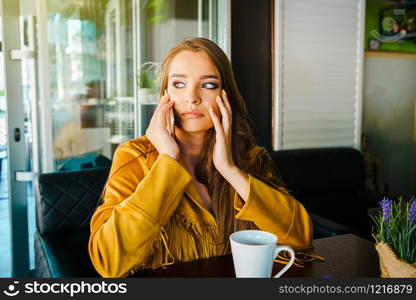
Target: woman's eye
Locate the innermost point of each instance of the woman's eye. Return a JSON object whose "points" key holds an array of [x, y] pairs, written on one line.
{"points": [[210, 85], [178, 84]]}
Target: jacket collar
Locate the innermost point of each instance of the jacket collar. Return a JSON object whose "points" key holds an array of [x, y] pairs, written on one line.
{"points": [[201, 212]]}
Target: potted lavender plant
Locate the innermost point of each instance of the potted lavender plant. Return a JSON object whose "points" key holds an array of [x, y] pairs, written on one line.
{"points": [[395, 236]]}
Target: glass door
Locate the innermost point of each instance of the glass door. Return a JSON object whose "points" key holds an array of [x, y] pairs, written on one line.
{"points": [[87, 95], [103, 59]]}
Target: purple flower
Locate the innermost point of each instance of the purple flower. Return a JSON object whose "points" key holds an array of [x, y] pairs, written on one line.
{"points": [[412, 212], [386, 207]]}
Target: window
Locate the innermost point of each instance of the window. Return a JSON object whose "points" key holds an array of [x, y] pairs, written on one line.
{"points": [[318, 62]]}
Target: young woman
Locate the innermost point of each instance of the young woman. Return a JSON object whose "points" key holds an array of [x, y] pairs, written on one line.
{"points": [[177, 193]]}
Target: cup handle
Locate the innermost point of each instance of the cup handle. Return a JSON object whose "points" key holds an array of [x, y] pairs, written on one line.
{"points": [[289, 264]]}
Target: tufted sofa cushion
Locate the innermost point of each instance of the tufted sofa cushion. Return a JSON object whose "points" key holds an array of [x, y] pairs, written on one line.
{"points": [[67, 200]]}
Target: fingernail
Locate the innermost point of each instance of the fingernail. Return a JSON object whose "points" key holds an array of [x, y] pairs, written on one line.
{"points": [[165, 92], [223, 91], [218, 98], [210, 108]]}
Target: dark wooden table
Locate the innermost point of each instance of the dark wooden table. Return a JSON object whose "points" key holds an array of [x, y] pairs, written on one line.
{"points": [[347, 256]]}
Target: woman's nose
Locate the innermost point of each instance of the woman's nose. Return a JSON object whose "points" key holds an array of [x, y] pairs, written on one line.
{"points": [[192, 97]]}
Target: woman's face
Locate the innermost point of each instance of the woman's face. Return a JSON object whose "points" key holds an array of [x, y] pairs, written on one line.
{"points": [[193, 84]]}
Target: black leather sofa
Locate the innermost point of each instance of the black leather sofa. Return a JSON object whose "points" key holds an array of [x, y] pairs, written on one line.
{"points": [[65, 202], [329, 182]]}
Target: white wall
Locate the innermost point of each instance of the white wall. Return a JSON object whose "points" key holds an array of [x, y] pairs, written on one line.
{"points": [[389, 120]]}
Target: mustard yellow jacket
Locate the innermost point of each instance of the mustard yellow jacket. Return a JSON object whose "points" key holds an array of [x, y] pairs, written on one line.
{"points": [[152, 215]]}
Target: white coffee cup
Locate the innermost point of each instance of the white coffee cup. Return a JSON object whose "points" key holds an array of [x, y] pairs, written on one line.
{"points": [[254, 252]]}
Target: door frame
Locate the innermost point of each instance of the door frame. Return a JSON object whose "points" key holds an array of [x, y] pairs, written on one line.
{"points": [[45, 116], [16, 146]]}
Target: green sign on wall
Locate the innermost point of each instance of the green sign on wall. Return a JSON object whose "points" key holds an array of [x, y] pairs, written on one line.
{"points": [[397, 24]]}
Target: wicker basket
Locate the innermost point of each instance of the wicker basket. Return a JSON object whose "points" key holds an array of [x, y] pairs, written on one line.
{"points": [[391, 266]]}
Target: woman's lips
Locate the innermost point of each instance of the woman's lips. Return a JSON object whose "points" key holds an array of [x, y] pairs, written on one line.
{"points": [[192, 115]]}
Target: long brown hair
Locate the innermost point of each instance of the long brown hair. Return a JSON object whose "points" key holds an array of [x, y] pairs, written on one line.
{"points": [[249, 158]]}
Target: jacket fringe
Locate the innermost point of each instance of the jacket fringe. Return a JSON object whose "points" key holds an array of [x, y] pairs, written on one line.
{"points": [[195, 242], [174, 244]]}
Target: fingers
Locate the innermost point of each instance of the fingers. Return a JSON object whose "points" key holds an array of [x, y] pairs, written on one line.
{"points": [[161, 107], [167, 121], [216, 121], [166, 110], [225, 109], [170, 121], [169, 116], [163, 100], [162, 114], [227, 103], [225, 116]]}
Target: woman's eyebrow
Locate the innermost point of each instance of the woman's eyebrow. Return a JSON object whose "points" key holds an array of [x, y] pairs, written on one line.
{"points": [[210, 76], [202, 77], [178, 75]]}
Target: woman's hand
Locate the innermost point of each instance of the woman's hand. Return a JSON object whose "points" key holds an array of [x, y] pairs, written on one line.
{"points": [[159, 132], [222, 156]]}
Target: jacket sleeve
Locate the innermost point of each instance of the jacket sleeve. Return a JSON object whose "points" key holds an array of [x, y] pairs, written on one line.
{"points": [[135, 209], [277, 212]]}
